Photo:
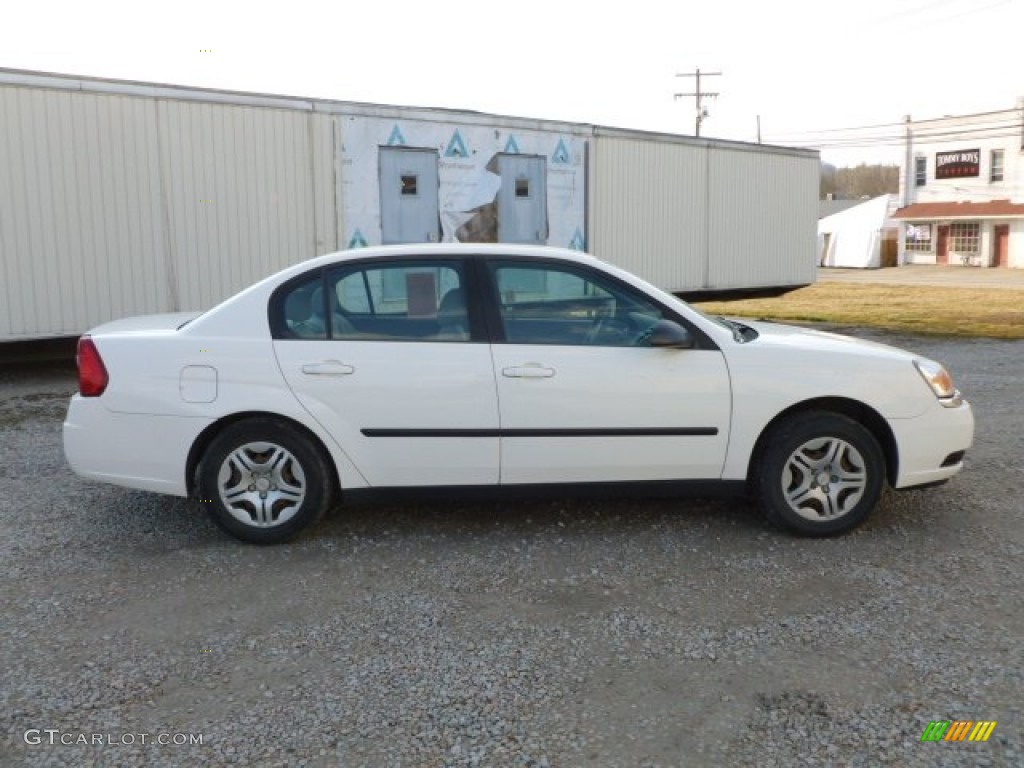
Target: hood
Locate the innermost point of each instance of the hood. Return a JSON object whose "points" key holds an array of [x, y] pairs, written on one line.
{"points": [[809, 339]]}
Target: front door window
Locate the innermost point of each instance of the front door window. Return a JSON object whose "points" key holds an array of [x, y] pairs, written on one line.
{"points": [[542, 304]]}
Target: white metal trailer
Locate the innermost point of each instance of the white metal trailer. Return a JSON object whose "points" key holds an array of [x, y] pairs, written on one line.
{"points": [[121, 198]]}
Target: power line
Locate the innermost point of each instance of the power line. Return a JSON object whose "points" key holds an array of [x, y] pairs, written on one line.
{"points": [[990, 115], [894, 130], [918, 9], [853, 128], [896, 141], [920, 129], [929, 14], [888, 144], [972, 12], [698, 95], [986, 130]]}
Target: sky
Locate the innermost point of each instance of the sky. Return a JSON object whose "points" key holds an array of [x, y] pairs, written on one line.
{"points": [[809, 70]]}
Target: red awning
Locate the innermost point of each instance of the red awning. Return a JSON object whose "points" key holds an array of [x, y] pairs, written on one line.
{"points": [[957, 210]]}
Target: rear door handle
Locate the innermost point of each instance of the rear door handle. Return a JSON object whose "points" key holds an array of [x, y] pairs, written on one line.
{"points": [[328, 368], [528, 371]]}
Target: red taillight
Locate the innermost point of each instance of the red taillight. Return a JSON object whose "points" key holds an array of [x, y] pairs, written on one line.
{"points": [[92, 374]]}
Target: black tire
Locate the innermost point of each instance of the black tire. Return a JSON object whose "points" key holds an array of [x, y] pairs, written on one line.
{"points": [[264, 481], [819, 474]]}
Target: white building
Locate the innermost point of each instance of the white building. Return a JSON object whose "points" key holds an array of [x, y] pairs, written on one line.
{"points": [[120, 198], [962, 190]]}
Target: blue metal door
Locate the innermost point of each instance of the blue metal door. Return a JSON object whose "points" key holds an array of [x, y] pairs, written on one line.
{"points": [[409, 211], [523, 199]]}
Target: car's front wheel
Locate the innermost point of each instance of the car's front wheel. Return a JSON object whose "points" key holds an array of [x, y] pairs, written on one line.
{"points": [[264, 481], [819, 474]]}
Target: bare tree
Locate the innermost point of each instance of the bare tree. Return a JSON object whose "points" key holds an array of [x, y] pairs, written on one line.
{"points": [[860, 181]]}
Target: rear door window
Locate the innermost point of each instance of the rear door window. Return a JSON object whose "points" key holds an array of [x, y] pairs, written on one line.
{"points": [[421, 300]]}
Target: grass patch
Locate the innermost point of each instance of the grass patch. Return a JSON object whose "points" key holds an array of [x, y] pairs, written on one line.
{"points": [[928, 310]]}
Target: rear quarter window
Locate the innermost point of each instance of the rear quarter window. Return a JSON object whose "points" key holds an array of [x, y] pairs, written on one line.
{"points": [[297, 309]]}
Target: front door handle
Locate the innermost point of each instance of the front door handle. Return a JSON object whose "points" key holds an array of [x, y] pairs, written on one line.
{"points": [[328, 368], [528, 371]]}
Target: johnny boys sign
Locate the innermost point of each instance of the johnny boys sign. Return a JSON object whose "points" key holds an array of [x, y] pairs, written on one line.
{"points": [[957, 165]]}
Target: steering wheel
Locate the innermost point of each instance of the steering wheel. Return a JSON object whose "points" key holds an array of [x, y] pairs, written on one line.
{"points": [[642, 338]]}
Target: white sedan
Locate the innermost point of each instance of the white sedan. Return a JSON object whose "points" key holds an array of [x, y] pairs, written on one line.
{"points": [[503, 369]]}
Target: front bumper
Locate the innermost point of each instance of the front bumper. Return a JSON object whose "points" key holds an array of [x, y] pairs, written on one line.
{"points": [[928, 444]]}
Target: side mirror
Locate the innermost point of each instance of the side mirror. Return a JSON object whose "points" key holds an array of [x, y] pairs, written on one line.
{"points": [[666, 333]]}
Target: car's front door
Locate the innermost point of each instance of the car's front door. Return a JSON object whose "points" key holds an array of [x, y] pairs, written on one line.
{"points": [[584, 398], [389, 359]]}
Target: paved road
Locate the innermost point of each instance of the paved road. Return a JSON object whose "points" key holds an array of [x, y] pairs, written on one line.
{"points": [[922, 274]]}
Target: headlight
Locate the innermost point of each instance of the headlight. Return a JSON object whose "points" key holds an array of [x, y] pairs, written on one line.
{"points": [[940, 381]]}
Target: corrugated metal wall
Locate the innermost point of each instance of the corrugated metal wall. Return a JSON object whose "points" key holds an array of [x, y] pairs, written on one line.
{"points": [[762, 218], [702, 215], [79, 199], [240, 192], [648, 209], [113, 205]]}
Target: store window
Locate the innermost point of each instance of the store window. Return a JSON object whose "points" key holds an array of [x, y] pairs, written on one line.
{"points": [[918, 237], [996, 167], [965, 237], [920, 171]]}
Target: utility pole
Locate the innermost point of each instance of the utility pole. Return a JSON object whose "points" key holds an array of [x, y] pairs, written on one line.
{"points": [[910, 176], [698, 94]]}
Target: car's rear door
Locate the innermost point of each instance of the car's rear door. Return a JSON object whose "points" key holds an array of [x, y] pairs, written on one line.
{"points": [[390, 357], [582, 397]]}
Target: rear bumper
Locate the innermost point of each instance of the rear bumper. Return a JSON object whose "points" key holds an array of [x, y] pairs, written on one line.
{"points": [[132, 450], [929, 444]]}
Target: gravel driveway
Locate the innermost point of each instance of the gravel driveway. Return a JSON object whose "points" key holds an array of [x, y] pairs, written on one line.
{"points": [[584, 633]]}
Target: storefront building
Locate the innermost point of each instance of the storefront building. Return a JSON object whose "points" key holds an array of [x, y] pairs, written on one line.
{"points": [[962, 190]]}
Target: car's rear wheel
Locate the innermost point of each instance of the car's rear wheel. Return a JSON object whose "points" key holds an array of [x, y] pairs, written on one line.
{"points": [[264, 481], [819, 474]]}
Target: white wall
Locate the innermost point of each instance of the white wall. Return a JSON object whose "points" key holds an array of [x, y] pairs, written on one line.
{"points": [[77, 200], [694, 214], [648, 209], [113, 205], [985, 132], [762, 211]]}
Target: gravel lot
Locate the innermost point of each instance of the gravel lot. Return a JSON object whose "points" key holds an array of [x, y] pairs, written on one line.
{"points": [[584, 633]]}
